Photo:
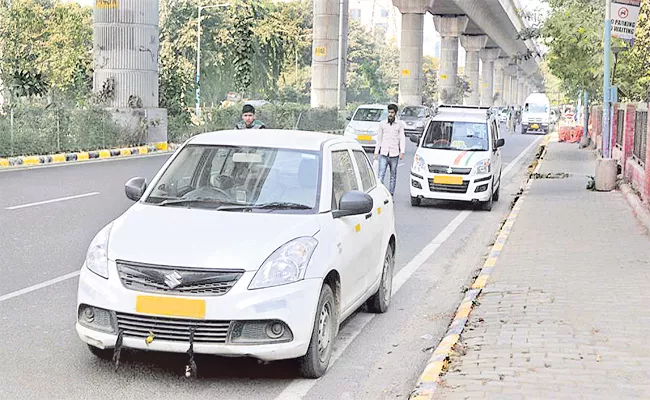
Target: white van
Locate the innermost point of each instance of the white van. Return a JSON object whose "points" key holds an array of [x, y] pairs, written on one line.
{"points": [[536, 115], [459, 157], [364, 124]]}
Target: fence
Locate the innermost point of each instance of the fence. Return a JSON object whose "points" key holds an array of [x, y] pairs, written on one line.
{"points": [[640, 136], [620, 127]]}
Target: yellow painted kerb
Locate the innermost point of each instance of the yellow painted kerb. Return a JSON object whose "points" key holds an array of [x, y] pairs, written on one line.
{"points": [[4, 162], [83, 156]]}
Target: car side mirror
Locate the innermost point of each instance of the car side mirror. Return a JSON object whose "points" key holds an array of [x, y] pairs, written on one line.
{"points": [[354, 202], [348, 118], [135, 188], [501, 142]]}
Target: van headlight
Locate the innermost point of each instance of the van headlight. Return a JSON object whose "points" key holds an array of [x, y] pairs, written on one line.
{"points": [[482, 167], [419, 165], [286, 265], [97, 255]]}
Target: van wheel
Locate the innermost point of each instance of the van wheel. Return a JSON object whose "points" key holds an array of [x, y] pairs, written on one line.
{"points": [[415, 201], [487, 205], [314, 364], [379, 302]]}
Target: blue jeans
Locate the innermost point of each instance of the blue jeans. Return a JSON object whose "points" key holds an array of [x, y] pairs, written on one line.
{"points": [[385, 161]]}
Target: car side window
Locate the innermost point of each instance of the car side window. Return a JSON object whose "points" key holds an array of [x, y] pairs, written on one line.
{"points": [[344, 178], [365, 170], [495, 135]]}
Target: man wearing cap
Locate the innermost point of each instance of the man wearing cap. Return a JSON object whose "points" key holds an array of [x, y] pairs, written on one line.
{"points": [[391, 145], [248, 119]]}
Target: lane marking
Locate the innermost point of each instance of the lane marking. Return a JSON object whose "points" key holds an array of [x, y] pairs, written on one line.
{"points": [[99, 160], [299, 388], [39, 286], [40, 203]]}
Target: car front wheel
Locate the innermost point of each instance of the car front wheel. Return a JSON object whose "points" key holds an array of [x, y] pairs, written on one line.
{"points": [[314, 364], [104, 354]]}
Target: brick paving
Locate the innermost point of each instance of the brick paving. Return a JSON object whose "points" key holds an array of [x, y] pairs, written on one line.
{"points": [[565, 313]]}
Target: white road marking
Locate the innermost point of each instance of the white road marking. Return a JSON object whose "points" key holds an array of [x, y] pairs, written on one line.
{"points": [[38, 286], [77, 163], [300, 387], [79, 196]]}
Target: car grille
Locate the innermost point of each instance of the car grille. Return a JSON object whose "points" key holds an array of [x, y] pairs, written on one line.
{"points": [[535, 121], [444, 188], [443, 169], [173, 329], [163, 279]]}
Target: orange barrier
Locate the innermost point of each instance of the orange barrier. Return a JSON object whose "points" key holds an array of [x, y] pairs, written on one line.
{"points": [[570, 134]]}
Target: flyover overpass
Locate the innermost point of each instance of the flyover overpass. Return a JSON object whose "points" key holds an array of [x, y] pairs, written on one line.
{"points": [[487, 30]]}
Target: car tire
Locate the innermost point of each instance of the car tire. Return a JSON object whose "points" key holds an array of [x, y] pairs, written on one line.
{"points": [[416, 201], [314, 364], [104, 354], [487, 205], [378, 303], [497, 193]]}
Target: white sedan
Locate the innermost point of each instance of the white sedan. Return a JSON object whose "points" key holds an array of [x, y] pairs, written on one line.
{"points": [[244, 244]]}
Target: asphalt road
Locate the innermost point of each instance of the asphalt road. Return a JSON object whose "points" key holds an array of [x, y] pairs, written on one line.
{"points": [[49, 215]]}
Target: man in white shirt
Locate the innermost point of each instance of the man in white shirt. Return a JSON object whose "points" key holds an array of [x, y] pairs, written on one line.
{"points": [[391, 145]]}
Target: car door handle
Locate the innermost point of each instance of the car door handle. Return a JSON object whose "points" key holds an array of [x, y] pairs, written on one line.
{"points": [[386, 201], [368, 216]]}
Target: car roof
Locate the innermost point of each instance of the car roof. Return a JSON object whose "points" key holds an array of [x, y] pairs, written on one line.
{"points": [[271, 138], [461, 116]]}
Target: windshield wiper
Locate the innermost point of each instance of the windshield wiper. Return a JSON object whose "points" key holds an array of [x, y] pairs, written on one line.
{"points": [[276, 205], [178, 202]]}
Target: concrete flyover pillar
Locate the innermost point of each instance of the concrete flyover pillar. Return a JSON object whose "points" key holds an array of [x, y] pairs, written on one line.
{"points": [[325, 53], [488, 57], [125, 58], [411, 50], [449, 28], [473, 44], [521, 95], [500, 80], [512, 90]]}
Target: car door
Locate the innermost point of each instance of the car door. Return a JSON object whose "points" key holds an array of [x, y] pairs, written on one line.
{"points": [[352, 232], [496, 154], [377, 222]]}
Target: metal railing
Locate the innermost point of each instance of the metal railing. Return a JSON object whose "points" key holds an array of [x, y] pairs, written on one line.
{"points": [[620, 127], [640, 136]]}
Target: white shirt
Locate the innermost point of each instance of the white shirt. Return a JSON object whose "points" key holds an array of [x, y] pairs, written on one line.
{"points": [[391, 140]]}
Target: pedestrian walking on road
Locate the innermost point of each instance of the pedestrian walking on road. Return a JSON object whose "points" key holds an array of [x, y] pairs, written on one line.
{"points": [[390, 147], [248, 120]]}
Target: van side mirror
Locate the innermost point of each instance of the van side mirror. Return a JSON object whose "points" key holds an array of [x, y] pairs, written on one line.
{"points": [[501, 142], [135, 188]]}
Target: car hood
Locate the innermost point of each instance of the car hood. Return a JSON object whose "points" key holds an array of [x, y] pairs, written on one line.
{"points": [[457, 159], [364, 127], [200, 238]]}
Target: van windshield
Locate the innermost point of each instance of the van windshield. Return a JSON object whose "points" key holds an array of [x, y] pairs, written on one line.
{"points": [[370, 114], [536, 108]]}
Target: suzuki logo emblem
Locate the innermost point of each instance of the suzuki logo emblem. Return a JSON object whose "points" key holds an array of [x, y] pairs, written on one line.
{"points": [[173, 279], [449, 170]]}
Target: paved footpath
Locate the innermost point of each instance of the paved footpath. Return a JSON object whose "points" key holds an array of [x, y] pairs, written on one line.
{"points": [[566, 311]]}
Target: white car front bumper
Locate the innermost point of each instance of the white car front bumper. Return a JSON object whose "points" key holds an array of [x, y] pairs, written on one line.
{"points": [[293, 304], [474, 188]]}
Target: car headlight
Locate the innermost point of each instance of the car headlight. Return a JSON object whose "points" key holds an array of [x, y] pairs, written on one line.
{"points": [[286, 265], [420, 124], [349, 131], [97, 255], [482, 167], [419, 165]]}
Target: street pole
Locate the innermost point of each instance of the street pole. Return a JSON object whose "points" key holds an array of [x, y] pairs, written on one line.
{"points": [[340, 55], [197, 109], [585, 129], [607, 81]]}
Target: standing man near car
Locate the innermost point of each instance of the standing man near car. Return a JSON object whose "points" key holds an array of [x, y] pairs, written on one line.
{"points": [[390, 147], [248, 120]]}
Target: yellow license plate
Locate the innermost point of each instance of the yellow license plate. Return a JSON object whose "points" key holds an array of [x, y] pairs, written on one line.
{"points": [[364, 137], [170, 306], [448, 180], [534, 126]]}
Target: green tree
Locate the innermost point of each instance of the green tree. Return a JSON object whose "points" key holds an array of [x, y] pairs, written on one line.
{"points": [[430, 69]]}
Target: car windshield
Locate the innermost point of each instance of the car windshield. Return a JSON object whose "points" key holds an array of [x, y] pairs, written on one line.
{"points": [[536, 108], [448, 135], [370, 114], [240, 178], [418, 112]]}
